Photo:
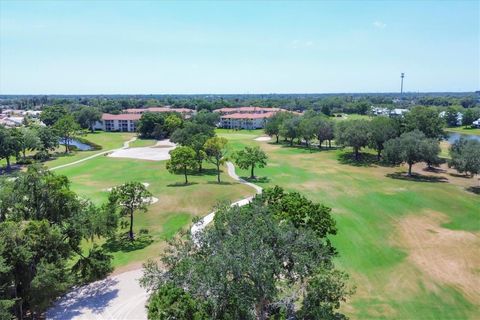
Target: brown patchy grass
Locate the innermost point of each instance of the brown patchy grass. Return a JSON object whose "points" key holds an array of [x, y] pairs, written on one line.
{"points": [[447, 256]]}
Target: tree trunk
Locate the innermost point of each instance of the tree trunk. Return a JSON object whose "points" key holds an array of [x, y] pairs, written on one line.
{"points": [[24, 154], [218, 172], [291, 142], [200, 166], [185, 173], [131, 225], [8, 162], [410, 169], [252, 175], [356, 153], [329, 144], [379, 152], [277, 138], [320, 144]]}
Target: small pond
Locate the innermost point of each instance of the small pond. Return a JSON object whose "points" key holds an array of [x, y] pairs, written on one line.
{"points": [[453, 136], [80, 145]]}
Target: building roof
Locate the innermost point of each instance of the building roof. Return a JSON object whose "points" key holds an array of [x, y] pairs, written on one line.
{"points": [[249, 116], [246, 109], [123, 116], [158, 109]]}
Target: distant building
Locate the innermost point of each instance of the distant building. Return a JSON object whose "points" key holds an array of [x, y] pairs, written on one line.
{"points": [[459, 117], [476, 123], [397, 112], [249, 121], [183, 111], [124, 122], [248, 118]]}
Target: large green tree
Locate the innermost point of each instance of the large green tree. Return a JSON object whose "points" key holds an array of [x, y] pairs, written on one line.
{"points": [[290, 128], [465, 156], [152, 125], [67, 128], [324, 130], [381, 130], [194, 135], [87, 116], [41, 227], [50, 115], [274, 124], [353, 133], [182, 159], [410, 148], [216, 150], [131, 197], [254, 262], [9, 144], [469, 116], [250, 158], [427, 120], [28, 140]]}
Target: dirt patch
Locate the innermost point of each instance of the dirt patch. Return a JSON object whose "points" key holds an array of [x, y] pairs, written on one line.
{"points": [[450, 257], [263, 138]]}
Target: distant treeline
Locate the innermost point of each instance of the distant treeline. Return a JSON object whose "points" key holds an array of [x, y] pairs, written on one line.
{"points": [[327, 103]]}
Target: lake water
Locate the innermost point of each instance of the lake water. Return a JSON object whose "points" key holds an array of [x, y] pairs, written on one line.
{"points": [[453, 136], [80, 145]]}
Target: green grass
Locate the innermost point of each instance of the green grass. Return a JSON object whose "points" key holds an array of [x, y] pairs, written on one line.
{"points": [[176, 206], [108, 141], [464, 130], [368, 207], [143, 143]]}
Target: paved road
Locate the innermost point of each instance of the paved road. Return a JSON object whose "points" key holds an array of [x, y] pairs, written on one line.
{"points": [[120, 297]]}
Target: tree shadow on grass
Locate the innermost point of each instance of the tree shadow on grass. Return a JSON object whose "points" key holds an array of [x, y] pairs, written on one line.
{"points": [[205, 172], [434, 170], [460, 175], [13, 171], [364, 159], [122, 243], [181, 184], [256, 179], [475, 190], [311, 149], [222, 183], [416, 177]]}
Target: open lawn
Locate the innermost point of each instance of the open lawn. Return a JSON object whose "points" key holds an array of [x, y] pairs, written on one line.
{"points": [[176, 206], [464, 130], [411, 247], [108, 141], [143, 143]]}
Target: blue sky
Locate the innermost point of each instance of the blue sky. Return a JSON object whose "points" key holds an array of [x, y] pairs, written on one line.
{"points": [[135, 47]]}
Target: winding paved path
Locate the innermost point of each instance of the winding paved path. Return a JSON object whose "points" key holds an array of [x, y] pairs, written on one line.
{"points": [[120, 297], [126, 144]]}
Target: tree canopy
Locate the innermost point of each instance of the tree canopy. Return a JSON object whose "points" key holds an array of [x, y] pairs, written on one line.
{"points": [[216, 150], [250, 158], [353, 133], [182, 159], [465, 156], [254, 262]]}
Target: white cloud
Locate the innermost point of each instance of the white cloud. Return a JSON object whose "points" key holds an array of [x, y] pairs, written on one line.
{"points": [[379, 24]]}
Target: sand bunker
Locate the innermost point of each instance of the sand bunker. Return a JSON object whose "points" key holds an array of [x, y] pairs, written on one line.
{"points": [[157, 152], [263, 139], [447, 256], [151, 200]]}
